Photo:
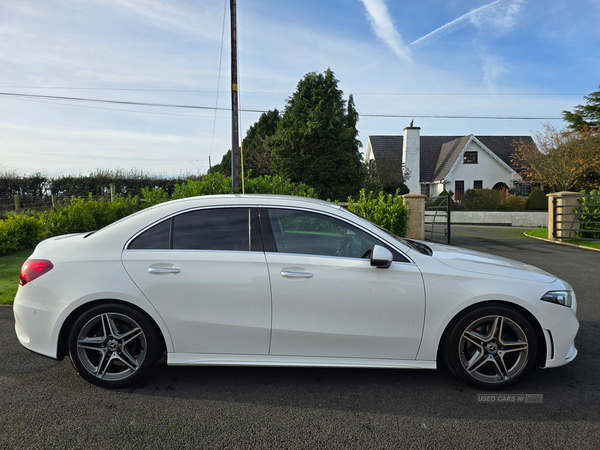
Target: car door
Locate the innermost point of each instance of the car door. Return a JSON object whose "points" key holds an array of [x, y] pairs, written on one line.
{"points": [[328, 300], [205, 273]]}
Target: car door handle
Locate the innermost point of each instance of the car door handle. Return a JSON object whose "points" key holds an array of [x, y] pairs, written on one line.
{"points": [[291, 274], [161, 270]]}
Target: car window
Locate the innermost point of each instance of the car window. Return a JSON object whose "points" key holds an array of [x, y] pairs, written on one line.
{"points": [[306, 232], [205, 229], [156, 238]]}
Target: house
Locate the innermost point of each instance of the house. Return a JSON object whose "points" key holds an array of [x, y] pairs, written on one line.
{"points": [[457, 163]]}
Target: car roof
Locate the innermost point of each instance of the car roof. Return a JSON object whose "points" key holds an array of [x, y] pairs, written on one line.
{"points": [[267, 199]]}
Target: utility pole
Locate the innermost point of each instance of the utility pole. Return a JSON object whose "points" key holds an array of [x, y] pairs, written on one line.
{"points": [[235, 149]]}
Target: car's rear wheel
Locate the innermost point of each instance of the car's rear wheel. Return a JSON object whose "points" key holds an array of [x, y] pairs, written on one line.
{"points": [[491, 347], [113, 345]]}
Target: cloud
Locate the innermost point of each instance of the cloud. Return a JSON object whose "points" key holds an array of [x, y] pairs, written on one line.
{"points": [[499, 14], [383, 27], [175, 16], [493, 68]]}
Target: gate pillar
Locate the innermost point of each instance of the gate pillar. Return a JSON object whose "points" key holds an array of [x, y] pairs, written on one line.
{"points": [[561, 207], [415, 204]]}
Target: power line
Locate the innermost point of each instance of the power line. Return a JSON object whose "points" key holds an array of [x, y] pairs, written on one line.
{"points": [[500, 94], [119, 102], [163, 105], [439, 116], [49, 102]]}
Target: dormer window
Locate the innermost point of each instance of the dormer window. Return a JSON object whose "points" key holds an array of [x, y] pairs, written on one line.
{"points": [[470, 158]]}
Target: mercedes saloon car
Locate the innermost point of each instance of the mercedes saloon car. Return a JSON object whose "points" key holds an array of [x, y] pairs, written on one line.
{"points": [[253, 280]]}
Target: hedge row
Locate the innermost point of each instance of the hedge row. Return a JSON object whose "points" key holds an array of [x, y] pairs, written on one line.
{"points": [[21, 231], [491, 200], [386, 210], [126, 182], [86, 214]]}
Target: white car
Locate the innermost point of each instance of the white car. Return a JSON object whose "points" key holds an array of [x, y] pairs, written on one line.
{"points": [[284, 281]]}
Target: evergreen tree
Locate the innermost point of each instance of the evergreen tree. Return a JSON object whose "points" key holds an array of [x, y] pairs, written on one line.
{"points": [[257, 153], [224, 167], [316, 141], [585, 116]]}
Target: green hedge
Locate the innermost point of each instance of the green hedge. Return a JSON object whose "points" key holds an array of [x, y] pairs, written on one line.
{"points": [[386, 210], [127, 182], [481, 199], [85, 214], [594, 209], [19, 232], [81, 215], [537, 200], [217, 183]]}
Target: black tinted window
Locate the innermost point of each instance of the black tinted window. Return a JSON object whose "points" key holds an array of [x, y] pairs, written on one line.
{"points": [[156, 238], [216, 229]]}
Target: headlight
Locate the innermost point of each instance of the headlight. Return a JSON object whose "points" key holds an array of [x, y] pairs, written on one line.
{"points": [[559, 297]]}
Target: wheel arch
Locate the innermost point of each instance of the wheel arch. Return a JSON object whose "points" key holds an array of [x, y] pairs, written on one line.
{"points": [[539, 333], [63, 336]]}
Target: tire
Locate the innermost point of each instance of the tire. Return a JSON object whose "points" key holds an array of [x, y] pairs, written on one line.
{"points": [[113, 345], [491, 347]]}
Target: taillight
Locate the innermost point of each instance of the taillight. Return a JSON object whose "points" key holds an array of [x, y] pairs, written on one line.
{"points": [[33, 268]]}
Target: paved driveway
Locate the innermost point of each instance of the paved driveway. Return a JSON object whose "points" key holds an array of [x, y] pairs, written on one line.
{"points": [[44, 404]]}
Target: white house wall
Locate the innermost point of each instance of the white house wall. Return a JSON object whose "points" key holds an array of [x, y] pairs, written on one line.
{"points": [[487, 170]]}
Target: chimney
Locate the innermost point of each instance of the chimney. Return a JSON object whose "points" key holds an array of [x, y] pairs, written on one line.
{"points": [[411, 157]]}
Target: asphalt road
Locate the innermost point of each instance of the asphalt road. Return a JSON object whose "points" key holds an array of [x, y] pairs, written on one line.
{"points": [[44, 404]]}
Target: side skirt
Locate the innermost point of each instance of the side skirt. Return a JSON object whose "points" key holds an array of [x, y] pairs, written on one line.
{"points": [[199, 359]]}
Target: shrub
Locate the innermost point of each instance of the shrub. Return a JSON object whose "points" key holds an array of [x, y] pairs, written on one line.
{"points": [[18, 232], [277, 185], [154, 196], [515, 203], [537, 200], [481, 199], [386, 210], [216, 183], [85, 215], [212, 184], [593, 208], [440, 201]]}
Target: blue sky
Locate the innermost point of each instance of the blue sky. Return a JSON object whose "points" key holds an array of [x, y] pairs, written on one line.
{"points": [[525, 58]]}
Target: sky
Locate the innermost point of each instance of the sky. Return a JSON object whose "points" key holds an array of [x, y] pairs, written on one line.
{"points": [[518, 62]]}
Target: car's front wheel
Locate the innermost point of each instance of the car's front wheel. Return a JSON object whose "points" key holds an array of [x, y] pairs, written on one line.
{"points": [[113, 345], [491, 347]]}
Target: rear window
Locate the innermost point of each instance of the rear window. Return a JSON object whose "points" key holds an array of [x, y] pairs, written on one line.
{"points": [[235, 229]]}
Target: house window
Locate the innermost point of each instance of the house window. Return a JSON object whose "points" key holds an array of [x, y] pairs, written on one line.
{"points": [[470, 158], [478, 184], [523, 189], [425, 190], [459, 189]]}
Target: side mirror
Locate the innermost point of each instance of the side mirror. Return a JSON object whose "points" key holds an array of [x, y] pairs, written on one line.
{"points": [[381, 257]]}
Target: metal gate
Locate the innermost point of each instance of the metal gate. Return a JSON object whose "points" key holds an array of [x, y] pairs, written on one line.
{"points": [[437, 219]]}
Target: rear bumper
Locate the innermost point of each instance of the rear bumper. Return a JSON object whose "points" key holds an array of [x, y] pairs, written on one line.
{"points": [[36, 323]]}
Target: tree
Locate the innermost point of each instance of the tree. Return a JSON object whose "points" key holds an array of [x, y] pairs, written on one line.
{"points": [[224, 167], [585, 116], [386, 175], [561, 159], [255, 146], [316, 139]]}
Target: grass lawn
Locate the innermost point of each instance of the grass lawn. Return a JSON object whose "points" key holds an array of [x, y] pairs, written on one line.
{"points": [[10, 266], [543, 233]]}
